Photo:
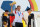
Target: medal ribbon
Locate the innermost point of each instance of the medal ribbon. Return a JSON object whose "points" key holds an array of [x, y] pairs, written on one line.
{"points": [[19, 13]]}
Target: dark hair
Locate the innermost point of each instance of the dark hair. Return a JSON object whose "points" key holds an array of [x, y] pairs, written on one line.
{"points": [[28, 9], [18, 6], [6, 11], [15, 8]]}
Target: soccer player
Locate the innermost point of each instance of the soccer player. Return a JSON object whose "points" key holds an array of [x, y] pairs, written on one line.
{"points": [[31, 16], [18, 18], [13, 12]]}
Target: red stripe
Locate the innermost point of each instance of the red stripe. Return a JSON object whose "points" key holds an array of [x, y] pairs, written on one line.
{"points": [[32, 7], [11, 19], [15, 12], [22, 13]]}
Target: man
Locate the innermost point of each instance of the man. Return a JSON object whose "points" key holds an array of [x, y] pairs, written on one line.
{"points": [[5, 17], [18, 17], [31, 16], [14, 12]]}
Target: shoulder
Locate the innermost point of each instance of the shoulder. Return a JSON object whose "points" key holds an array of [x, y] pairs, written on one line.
{"points": [[32, 14], [22, 13]]}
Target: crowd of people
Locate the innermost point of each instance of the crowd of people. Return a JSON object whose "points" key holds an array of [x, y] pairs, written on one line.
{"points": [[15, 17]]}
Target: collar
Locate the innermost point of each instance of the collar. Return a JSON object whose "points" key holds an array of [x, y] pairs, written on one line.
{"points": [[5, 14]]}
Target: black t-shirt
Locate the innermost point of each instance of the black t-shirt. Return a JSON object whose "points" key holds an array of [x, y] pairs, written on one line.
{"points": [[5, 18], [31, 16]]}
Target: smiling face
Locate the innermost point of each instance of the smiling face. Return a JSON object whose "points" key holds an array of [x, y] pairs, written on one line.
{"points": [[18, 8]]}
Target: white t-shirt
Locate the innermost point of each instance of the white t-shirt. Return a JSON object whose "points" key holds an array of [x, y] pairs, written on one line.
{"points": [[17, 18]]}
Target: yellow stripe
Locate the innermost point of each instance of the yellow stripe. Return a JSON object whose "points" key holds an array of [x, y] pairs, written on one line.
{"points": [[35, 5]]}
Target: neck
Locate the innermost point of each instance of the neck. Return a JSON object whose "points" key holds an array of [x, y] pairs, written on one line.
{"points": [[29, 13]]}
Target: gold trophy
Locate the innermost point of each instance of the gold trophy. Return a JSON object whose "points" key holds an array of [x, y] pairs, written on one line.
{"points": [[12, 3]]}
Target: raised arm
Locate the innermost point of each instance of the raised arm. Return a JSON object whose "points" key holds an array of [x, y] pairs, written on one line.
{"points": [[11, 10], [12, 6]]}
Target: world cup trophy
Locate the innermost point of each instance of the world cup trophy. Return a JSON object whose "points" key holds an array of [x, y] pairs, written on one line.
{"points": [[12, 3]]}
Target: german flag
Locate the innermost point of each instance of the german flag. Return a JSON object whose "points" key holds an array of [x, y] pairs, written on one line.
{"points": [[12, 17]]}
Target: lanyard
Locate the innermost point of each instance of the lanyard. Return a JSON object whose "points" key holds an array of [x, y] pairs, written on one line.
{"points": [[19, 13]]}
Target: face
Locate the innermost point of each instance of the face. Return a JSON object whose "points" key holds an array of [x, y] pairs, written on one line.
{"points": [[15, 9], [18, 8], [7, 13], [29, 11]]}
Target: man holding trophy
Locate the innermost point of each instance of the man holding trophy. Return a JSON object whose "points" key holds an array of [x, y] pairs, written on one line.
{"points": [[18, 16]]}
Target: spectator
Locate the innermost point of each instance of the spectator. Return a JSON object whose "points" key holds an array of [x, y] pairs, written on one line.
{"points": [[5, 17], [31, 16]]}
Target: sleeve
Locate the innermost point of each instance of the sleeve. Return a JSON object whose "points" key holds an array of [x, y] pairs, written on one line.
{"points": [[14, 12]]}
